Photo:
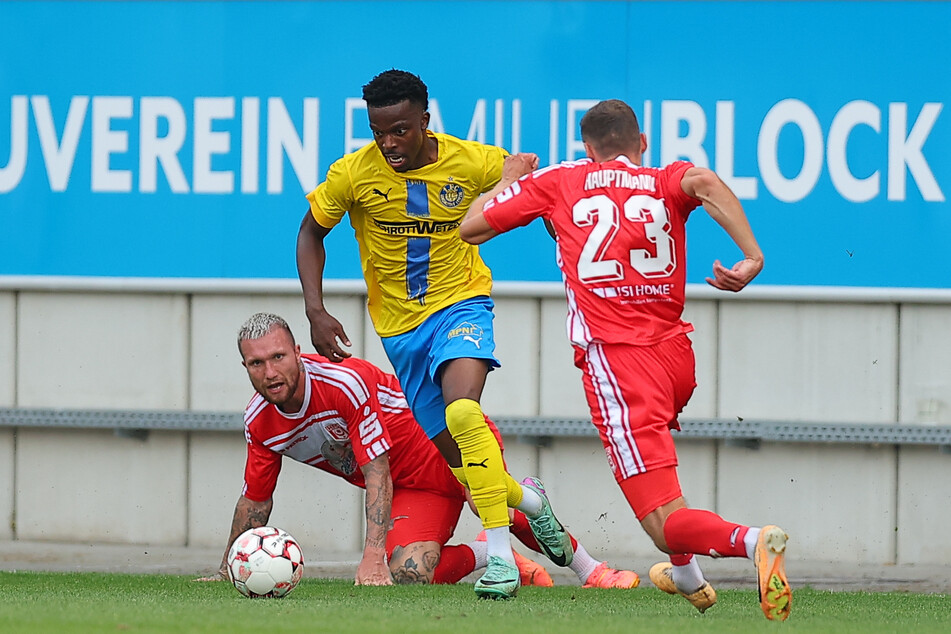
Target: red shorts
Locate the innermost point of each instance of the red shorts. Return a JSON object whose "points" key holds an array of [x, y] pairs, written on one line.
{"points": [[422, 516], [427, 516], [650, 490], [635, 394]]}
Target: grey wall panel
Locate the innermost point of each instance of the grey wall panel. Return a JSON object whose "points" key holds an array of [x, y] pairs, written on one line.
{"points": [[836, 502], [822, 362], [925, 377], [924, 506], [7, 482], [512, 390], [215, 478], [560, 390], [704, 317], [103, 351], [8, 347], [85, 485], [697, 471]]}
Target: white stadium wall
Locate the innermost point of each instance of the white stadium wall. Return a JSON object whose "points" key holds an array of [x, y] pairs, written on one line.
{"points": [[145, 213], [758, 357]]}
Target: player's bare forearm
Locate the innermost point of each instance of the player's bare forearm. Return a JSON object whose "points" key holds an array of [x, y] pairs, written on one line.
{"points": [[372, 569], [326, 333], [724, 207], [311, 258], [247, 514], [379, 500], [474, 228]]}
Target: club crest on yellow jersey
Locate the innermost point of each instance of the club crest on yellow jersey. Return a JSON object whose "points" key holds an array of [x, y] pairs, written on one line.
{"points": [[451, 195]]}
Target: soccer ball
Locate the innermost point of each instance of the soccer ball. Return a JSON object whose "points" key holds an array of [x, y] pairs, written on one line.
{"points": [[265, 562]]}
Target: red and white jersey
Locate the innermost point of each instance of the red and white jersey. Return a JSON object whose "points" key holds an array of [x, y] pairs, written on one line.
{"points": [[353, 412], [621, 244]]}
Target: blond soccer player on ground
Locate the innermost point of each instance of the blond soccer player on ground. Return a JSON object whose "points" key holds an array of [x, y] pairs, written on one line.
{"points": [[620, 232], [351, 420]]}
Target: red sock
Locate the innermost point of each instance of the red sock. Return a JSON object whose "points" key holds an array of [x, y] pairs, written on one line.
{"points": [[704, 533], [680, 560], [455, 562], [523, 532]]}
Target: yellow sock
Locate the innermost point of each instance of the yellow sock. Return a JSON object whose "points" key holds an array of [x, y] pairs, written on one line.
{"points": [[460, 474], [514, 497], [489, 483]]}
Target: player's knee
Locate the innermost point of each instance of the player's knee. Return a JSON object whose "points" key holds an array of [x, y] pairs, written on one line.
{"points": [[414, 563], [463, 415]]}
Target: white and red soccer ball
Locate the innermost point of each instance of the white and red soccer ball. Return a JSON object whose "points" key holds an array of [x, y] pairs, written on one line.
{"points": [[265, 562]]}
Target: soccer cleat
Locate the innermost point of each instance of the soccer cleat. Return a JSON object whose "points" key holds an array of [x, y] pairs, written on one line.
{"points": [[605, 577], [661, 575], [775, 595], [500, 580], [551, 536], [531, 573]]}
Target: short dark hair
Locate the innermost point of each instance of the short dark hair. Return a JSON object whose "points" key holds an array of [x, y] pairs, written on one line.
{"points": [[393, 86], [610, 126]]}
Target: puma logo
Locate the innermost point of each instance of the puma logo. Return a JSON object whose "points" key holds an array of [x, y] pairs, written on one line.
{"points": [[379, 193], [478, 464]]}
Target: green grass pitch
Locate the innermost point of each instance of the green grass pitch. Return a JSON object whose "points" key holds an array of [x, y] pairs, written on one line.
{"points": [[88, 602]]}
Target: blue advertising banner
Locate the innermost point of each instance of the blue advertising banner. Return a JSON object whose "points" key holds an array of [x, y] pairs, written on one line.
{"points": [[177, 139]]}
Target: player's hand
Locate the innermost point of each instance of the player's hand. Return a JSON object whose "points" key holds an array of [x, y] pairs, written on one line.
{"points": [[327, 335], [371, 572], [221, 576], [518, 165], [736, 278]]}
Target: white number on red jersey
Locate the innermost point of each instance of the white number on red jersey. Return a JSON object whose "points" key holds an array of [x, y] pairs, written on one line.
{"points": [[602, 212]]}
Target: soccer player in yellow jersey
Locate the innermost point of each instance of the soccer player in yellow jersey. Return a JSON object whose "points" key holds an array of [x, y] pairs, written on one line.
{"points": [[428, 296]]}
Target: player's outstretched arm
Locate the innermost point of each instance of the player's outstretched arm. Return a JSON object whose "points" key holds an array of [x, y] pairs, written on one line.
{"points": [[725, 208], [247, 514], [372, 569], [326, 333], [475, 229]]}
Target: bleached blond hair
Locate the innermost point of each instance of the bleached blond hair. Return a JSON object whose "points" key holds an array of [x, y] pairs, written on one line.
{"points": [[260, 324]]}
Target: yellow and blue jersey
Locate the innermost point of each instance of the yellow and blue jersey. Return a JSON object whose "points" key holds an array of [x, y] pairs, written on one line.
{"points": [[407, 227]]}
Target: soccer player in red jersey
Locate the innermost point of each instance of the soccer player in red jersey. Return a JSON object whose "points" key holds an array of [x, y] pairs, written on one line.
{"points": [[351, 419], [620, 233]]}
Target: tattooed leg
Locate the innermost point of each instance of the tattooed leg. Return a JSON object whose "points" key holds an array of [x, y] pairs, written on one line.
{"points": [[415, 563]]}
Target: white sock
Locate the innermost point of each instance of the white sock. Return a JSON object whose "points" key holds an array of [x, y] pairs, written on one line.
{"points": [[531, 503], [498, 542], [752, 536], [481, 552], [583, 564], [688, 578]]}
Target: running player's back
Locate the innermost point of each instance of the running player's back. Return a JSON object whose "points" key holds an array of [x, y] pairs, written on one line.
{"points": [[621, 244]]}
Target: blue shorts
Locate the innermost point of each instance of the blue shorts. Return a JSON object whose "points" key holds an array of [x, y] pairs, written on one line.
{"points": [[460, 331]]}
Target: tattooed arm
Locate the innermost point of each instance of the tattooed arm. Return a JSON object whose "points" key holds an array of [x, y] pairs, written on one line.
{"points": [[372, 570], [247, 514]]}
